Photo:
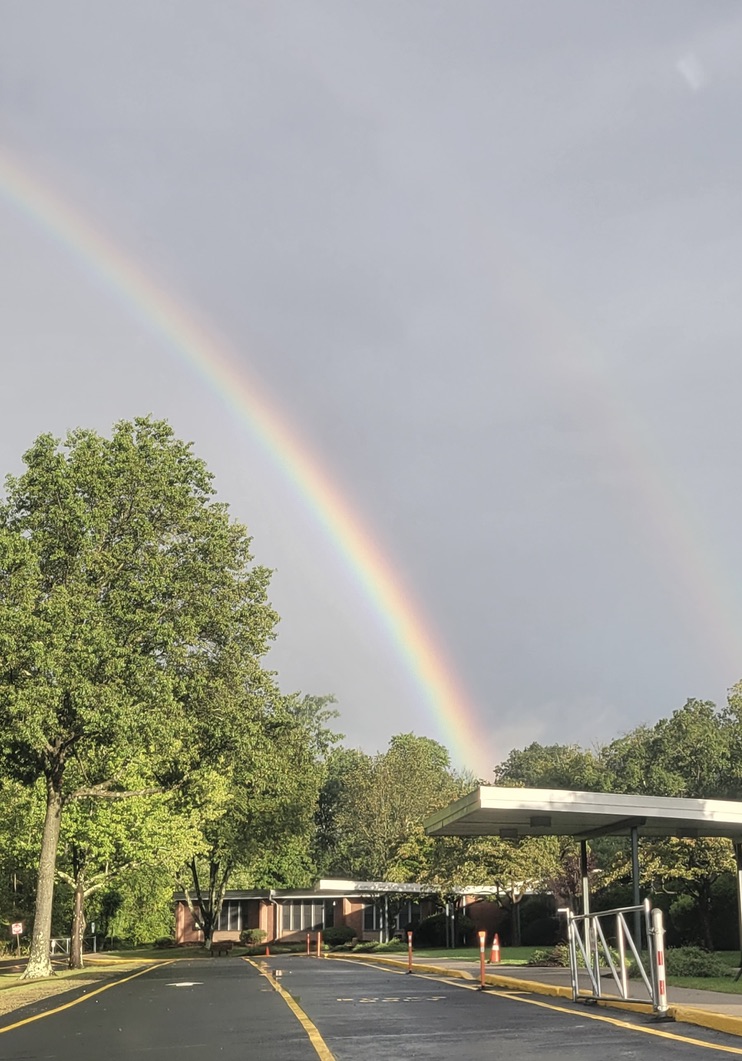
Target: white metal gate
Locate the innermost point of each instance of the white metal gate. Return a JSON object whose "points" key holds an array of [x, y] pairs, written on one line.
{"points": [[586, 936]]}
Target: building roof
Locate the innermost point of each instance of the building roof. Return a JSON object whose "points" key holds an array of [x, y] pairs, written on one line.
{"points": [[514, 812]]}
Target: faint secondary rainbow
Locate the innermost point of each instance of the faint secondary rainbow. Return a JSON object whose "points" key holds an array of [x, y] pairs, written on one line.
{"points": [[425, 660]]}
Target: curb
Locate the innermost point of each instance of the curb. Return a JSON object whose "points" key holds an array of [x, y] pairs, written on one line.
{"points": [[702, 1018]]}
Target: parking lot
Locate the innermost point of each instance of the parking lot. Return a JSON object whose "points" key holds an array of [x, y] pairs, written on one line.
{"points": [[297, 1009]]}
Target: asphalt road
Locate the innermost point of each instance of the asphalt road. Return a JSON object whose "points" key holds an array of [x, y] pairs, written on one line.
{"points": [[226, 1008]]}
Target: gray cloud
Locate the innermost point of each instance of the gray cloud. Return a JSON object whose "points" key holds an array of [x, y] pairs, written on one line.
{"points": [[484, 257]]}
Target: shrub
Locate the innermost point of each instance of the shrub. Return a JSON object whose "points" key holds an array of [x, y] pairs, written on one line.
{"points": [[252, 936], [693, 961], [164, 942], [337, 936], [431, 932], [558, 956], [554, 956], [366, 946], [544, 931], [394, 945]]}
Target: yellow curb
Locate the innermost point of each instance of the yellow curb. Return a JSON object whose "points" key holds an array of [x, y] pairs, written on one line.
{"points": [[702, 1018]]}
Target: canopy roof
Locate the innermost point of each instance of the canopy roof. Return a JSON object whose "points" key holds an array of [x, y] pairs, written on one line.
{"points": [[515, 812]]}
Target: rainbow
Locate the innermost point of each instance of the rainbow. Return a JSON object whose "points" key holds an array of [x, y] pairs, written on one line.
{"points": [[211, 358]]}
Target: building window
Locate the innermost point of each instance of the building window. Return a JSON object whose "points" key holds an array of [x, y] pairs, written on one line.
{"points": [[371, 918], [303, 915], [233, 915], [409, 914]]}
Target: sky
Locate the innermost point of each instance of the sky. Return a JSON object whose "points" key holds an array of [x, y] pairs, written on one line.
{"points": [[472, 273]]}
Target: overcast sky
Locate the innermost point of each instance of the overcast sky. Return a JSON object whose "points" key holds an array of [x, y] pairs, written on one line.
{"points": [[486, 260]]}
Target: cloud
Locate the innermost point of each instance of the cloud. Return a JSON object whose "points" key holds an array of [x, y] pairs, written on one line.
{"points": [[690, 69]]}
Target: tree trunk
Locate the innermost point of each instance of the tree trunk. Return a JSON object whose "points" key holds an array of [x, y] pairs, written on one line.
{"points": [[39, 961], [207, 909], [78, 925], [704, 917]]}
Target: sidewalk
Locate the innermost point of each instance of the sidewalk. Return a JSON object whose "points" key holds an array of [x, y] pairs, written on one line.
{"points": [[707, 1009]]}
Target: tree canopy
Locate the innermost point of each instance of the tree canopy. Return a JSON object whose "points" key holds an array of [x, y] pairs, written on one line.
{"points": [[129, 611]]}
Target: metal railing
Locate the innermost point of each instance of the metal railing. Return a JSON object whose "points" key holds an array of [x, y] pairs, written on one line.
{"points": [[586, 937], [60, 945]]}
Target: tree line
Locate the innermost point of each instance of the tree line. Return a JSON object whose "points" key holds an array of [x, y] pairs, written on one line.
{"points": [[147, 748]]}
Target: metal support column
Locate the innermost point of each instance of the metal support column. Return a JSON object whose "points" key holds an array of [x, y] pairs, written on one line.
{"points": [[738, 857], [636, 883], [585, 891]]}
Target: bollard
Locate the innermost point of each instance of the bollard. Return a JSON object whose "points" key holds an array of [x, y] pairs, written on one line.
{"points": [[658, 936], [308, 950], [319, 944], [267, 951], [482, 960], [495, 954], [409, 952]]}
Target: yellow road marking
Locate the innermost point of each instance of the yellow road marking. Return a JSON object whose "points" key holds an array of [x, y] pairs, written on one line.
{"points": [[82, 998], [454, 982], [321, 1048], [599, 1017]]}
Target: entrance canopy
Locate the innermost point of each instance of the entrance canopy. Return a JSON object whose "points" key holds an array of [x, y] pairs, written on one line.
{"points": [[514, 812]]}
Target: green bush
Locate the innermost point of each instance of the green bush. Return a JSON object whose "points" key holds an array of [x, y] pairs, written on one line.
{"points": [[554, 956], [693, 961], [164, 942], [431, 932], [558, 956], [366, 946], [543, 931], [337, 936], [252, 936], [394, 945]]}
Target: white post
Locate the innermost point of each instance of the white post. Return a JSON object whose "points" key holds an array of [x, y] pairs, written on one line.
{"points": [[658, 934]]}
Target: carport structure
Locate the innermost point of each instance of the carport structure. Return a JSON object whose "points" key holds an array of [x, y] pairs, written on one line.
{"points": [[512, 813]]}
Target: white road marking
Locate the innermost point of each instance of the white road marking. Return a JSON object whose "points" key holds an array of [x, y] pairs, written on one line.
{"points": [[187, 983]]}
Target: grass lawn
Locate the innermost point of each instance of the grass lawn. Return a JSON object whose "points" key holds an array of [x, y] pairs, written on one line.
{"points": [[508, 955], [707, 983]]}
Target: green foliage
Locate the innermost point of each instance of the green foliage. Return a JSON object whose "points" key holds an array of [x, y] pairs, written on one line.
{"points": [[693, 961], [431, 931], [252, 936], [552, 766], [371, 809], [557, 956], [130, 618], [138, 907], [339, 934], [543, 931], [394, 946]]}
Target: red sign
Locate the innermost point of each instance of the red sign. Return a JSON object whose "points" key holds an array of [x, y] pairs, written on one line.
{"points": [[17, 928]]}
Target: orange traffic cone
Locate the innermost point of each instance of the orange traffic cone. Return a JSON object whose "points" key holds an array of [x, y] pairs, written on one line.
{"points": [[495, 955]]}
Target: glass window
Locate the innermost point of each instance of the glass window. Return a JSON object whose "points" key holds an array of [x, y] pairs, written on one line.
{"points": [[305, 915], [232, 915]]}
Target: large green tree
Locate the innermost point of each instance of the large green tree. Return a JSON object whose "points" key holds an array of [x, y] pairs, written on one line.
{"points": [[257, 803], [122, 579], [372, 807]]}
